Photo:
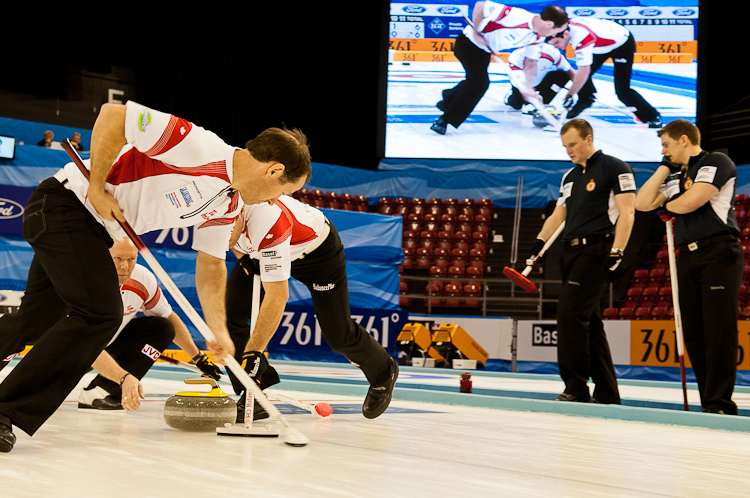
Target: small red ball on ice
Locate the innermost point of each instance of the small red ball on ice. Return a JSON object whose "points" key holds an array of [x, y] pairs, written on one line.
{"points": [[323, 409]]}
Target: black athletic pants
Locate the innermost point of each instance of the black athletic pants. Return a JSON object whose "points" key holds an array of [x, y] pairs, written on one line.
{"points": [[582, 347], [622, 57], [70, 310], [322, 267], [130, 349], [459, 101], [545, 89], [709, 282]]}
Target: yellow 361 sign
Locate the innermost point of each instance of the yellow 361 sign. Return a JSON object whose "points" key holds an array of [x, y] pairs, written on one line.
{"points": [[654, 343]]}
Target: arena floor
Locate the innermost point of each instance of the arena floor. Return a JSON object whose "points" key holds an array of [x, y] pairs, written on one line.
{"points": [[505, 439]]}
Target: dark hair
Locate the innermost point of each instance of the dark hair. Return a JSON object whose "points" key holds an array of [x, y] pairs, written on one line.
{"points": [[285, 146], [582, 126], [555, 14], [675, 129], [558, 35]]}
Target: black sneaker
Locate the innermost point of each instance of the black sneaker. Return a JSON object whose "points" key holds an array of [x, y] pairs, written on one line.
{"points": [[98, 399], [439, 126], [656, 123], [581, 105], [7, 438], [379, 397], [571, 398], [259, 413]]}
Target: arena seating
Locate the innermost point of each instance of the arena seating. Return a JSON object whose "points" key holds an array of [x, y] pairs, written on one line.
{"points": [[649, 296]]}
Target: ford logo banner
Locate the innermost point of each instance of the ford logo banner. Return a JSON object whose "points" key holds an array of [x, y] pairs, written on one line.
{"points": [[583, 12], [414, 9], [10, 209]]}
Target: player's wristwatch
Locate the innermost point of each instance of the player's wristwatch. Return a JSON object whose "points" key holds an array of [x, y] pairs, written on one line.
{"points": [[616, 250]]}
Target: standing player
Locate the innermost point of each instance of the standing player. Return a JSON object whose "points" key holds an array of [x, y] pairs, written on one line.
{"points": [[596, 203], [159, 171], [698, 187], [553, 72], [495, 27], [595, 41], [290, 238]]}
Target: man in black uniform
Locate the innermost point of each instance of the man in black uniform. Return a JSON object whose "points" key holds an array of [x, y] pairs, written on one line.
{"points": [[699, 188], [596, 203]]}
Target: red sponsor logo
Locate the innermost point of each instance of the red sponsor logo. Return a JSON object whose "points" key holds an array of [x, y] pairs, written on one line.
{"points": [[129, 311], [151, 352], [208, 216], [10, 357]]}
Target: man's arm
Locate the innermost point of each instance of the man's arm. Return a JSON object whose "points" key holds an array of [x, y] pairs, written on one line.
{"points": [[625, 203], [649, 196], [210, 284], [581, 76], [551, 224], [529, 70], [132, 389], [182, 336], [107, 138], [476, 17], [697, 196], [270, 314]]}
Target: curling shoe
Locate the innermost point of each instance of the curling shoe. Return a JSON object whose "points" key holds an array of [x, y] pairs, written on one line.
{"points": [[440, 126], [259, 413], [581, 105], [379, 397], [7, 438], [656, 123], [571, 398], [98, 399]]}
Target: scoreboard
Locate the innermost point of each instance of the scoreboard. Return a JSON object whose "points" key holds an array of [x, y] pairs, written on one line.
{"points": [[420, 21]]}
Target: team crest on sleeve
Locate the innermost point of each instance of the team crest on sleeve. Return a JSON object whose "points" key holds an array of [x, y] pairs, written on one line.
{"points": [[144, 120], [688, 183], [706, 174], [627, 181], [591, 185]]}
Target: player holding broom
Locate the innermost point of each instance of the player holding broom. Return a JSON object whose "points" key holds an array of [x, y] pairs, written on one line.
{"points": [[597, 205], [158, 171]]}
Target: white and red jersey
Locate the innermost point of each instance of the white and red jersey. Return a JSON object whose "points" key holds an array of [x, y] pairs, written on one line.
{"points": [[171, 173], [279, 234], [505, 28], [589, 36], [551, 60], [141, 293]]}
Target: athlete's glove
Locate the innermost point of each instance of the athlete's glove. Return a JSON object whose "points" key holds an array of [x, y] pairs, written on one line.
{"points": [[613, 265], [207, 366], [673, 167], [536, 248], [257, 367], [570, 101]]}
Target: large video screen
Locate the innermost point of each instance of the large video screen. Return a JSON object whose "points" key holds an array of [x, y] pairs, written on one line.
{"points": [[427, 109]]}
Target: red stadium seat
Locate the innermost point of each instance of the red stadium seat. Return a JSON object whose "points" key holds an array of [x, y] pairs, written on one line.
{"points": [[649, 295], [658, 312], [633, 296], [452, 292], [625, 313], [642, 313], [474, 272], [640, 276], [333, 200], [609, 313], [423, 258], [472, 292]]}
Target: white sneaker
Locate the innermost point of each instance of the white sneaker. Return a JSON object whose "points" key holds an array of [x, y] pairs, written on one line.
{"points": [[98, 399]]}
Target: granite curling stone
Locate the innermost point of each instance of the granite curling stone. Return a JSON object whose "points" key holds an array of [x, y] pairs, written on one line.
{"points": [[200, 411]]}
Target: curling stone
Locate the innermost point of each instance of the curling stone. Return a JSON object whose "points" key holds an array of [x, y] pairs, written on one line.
{"points": [[539, 120], [200, 411]]}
